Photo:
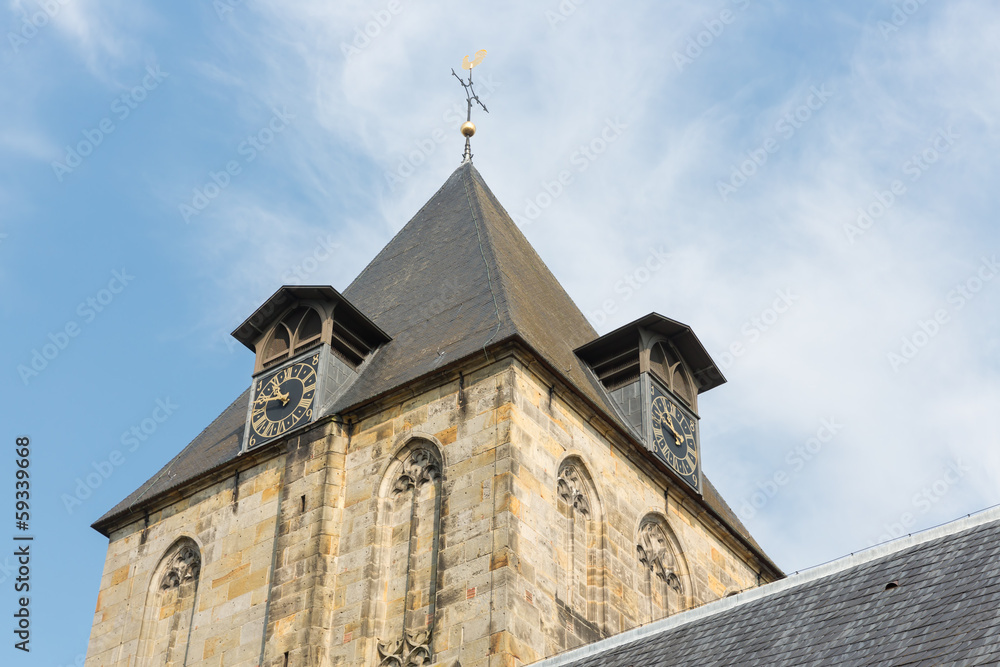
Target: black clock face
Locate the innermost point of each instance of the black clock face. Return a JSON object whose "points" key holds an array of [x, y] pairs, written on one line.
{"points": [[675, 437], [283, 401]]}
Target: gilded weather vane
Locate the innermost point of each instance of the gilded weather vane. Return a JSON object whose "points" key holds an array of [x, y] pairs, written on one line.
{"points": [[468, 127]]}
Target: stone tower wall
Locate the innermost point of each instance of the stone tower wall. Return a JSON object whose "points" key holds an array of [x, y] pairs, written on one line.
{"points": [[618, 491], [486, 521], [234, 536]]}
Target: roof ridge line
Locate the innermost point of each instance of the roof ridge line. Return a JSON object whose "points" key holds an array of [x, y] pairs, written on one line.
{"points": [[494, 202], [151, 482], [474, 207], [988, 515]]}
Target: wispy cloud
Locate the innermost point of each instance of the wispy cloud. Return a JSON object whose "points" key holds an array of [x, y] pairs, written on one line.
{"points": [[688, 128], [370, 87]]}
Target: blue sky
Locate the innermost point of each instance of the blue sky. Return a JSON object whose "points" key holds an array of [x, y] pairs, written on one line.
{"points": [[821, 176]]}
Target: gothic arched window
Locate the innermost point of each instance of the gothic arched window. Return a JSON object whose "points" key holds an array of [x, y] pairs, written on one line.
{"points": [[666, 364], [661, 569], [170, 605], [580, 552], [299, 329], [410, 524]]}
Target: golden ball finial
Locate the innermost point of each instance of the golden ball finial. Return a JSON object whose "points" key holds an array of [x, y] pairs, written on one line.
{"points": [[468, 128]]}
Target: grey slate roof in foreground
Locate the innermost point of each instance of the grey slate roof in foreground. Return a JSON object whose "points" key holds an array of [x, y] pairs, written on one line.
{"points": [[456, 279], [945, 611]]}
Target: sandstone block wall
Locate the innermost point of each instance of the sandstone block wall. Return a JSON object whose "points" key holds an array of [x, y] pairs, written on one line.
{"points": [[546, 433], [234, 536], [485, 521]]}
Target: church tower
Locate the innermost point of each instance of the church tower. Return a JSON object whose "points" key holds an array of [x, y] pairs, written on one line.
{"points": [[441, 464]]}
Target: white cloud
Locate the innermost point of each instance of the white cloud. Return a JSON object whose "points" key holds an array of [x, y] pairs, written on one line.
{"points": [[104, 34], [657, 185]]}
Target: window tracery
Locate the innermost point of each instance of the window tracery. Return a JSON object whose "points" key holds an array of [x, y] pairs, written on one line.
{"points": [[411, 524], [298, 330], [661, 569], [170, 606], [581, 557]]}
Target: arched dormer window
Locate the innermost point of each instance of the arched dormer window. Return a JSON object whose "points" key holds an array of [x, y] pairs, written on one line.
{"points": [[298, 330], [665, 363]]}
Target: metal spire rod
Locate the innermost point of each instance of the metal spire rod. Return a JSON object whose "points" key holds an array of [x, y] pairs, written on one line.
{"points": [[469, 128]]}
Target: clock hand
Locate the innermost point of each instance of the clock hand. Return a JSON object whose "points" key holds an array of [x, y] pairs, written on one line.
{"points": [[276, 396], [677, 436], [284, 398]]}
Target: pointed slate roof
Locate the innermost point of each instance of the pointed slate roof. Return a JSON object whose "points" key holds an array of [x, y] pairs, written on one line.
{"points": [[458, 278]]}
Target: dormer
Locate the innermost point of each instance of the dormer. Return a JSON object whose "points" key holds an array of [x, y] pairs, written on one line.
{"points": [[310, 344], [653, 370]]}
